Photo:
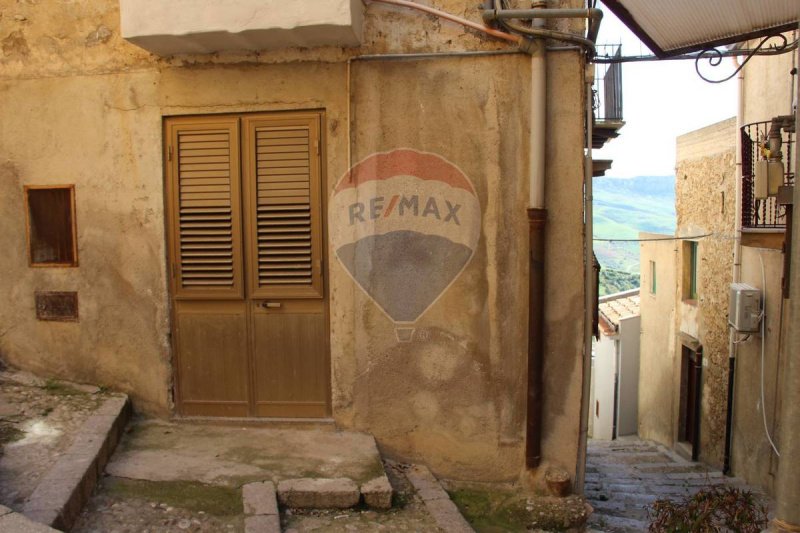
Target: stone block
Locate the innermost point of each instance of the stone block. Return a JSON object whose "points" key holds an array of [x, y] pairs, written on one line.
{"points": [[321, 493], [377, 493], [262, 524], [17, 523], [259, 499]]}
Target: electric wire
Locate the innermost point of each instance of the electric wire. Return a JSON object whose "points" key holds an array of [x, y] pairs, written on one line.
{"points": [[763, 341], [650, 239]]}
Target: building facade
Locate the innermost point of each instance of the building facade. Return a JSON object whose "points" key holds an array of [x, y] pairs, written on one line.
{"points": [[322, 230], [727, 233]]}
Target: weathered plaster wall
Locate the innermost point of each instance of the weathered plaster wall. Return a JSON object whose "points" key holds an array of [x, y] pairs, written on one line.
{"points": [[705, 204], [629, 340], [753, 458], [766, 93], [82, 106], [659, 368], [602, 407]]}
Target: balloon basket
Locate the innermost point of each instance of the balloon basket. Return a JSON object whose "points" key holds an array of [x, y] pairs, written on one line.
{"points": [[404, 334]]}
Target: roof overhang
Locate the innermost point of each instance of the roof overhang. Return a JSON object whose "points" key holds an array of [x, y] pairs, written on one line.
{"points": [[682, 26]]}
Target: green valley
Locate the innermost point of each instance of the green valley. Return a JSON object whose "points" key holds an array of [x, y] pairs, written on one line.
{"points": [[622, 208]]}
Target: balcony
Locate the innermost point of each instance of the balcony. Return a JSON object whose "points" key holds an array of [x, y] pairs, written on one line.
{"points": [[760, 210], [170, 27], [607, 94]]}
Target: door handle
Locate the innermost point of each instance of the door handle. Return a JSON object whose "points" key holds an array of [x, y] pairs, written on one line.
{"points": [[270, 305]]}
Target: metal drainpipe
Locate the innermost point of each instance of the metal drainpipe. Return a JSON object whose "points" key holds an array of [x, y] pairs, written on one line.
{"points": [[787, 487], [588, 305], [537, 219], [737, 261]]}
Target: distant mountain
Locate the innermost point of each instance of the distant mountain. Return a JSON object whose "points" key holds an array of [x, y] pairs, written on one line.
{"points": [[622, 208]]}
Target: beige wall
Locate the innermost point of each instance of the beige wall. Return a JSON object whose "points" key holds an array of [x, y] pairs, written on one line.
{"points": [[752, 456], [659, 368], [705, 198], [82, 106], [766, 93]]}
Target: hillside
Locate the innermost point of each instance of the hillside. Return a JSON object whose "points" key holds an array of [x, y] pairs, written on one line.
{"points": [[623, 208]]}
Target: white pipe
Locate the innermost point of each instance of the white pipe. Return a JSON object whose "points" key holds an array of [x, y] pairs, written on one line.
{"points": [[538, 123]]}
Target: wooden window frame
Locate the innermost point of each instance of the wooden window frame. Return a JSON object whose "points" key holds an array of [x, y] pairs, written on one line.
{"points": [[690, 289], [653, 279], [73, 226]]}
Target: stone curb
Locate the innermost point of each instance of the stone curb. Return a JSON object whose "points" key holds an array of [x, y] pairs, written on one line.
{"points": [[66, 487], [260, 508], [437, 501], [318, 493], [11, 522]]}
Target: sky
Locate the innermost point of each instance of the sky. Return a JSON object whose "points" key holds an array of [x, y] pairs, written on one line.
{"points": [[661, 100]]}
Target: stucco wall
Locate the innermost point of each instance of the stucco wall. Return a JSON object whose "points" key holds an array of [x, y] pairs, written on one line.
{"points": [[705, 205], [629, 337], [602, 406], [82, 106], [752, 456], [766, 92], [659, 368]]}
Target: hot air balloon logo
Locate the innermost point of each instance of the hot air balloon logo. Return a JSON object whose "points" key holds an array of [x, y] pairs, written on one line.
{"points": [[405, 224]]}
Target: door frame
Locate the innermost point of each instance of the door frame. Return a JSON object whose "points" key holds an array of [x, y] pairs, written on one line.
{"points": [[174, 391]]}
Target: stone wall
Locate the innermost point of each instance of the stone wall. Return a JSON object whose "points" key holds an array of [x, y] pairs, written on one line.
{"points": [[82, 106], [705, 205]]}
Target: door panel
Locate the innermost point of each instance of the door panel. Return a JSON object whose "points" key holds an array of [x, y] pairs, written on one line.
{"points": [[213, 358], [245, 219], [290, 360]]}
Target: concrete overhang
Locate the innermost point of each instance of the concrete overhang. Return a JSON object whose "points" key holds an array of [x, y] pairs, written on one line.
{"points": [[170, 27]]}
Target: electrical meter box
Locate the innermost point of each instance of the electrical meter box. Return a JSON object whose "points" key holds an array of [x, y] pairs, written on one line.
{"points": [[744, 308], [768, 178]]}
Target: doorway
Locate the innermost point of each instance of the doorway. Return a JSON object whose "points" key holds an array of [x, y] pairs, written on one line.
{"points": [[246, 251], [691, 391]]}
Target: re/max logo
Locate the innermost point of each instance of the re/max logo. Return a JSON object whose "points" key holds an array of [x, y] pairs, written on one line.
{"points": [[376, 208]]}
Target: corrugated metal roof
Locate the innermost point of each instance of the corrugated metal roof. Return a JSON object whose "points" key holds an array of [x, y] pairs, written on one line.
{"points": [[680, 26]]}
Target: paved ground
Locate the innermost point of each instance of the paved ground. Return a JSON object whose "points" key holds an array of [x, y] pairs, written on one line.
{"points": [[38, 420], [230, 455], [626, 475]]}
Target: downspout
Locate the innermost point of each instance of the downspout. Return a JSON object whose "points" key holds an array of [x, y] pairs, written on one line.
{"points": [[787, 489], [589, 300], [737, 262], [537, 219]]}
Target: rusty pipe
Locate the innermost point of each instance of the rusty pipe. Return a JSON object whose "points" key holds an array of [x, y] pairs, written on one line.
{"points": [[537, 220], [453, 18]]}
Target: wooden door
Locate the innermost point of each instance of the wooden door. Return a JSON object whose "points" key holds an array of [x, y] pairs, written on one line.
{"points": [[244, 195]]}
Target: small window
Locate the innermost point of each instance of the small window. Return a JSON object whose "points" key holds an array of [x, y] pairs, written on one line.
{"points": [[690, 270], [652, 277], [50, 214]]}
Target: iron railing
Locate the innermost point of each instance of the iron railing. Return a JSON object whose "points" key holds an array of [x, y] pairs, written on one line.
{"points": [[608, 85], [763, 213]]}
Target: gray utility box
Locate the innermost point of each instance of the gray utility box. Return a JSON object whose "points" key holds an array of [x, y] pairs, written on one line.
{"points": [[744, 308]]}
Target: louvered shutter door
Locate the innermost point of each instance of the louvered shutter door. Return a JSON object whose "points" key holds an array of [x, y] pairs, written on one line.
{"points": [[206, 216], [282, 178]]}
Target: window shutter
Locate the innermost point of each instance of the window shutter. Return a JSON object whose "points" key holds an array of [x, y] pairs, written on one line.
{"points": [[203, 163], [282, 177]]}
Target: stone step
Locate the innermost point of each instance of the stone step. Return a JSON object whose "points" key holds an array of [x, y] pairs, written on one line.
{"points": [[618, 524]]}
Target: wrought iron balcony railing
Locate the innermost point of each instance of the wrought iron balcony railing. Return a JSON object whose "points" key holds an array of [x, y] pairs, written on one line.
{"points": [[607, 96], [763, 213]]}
